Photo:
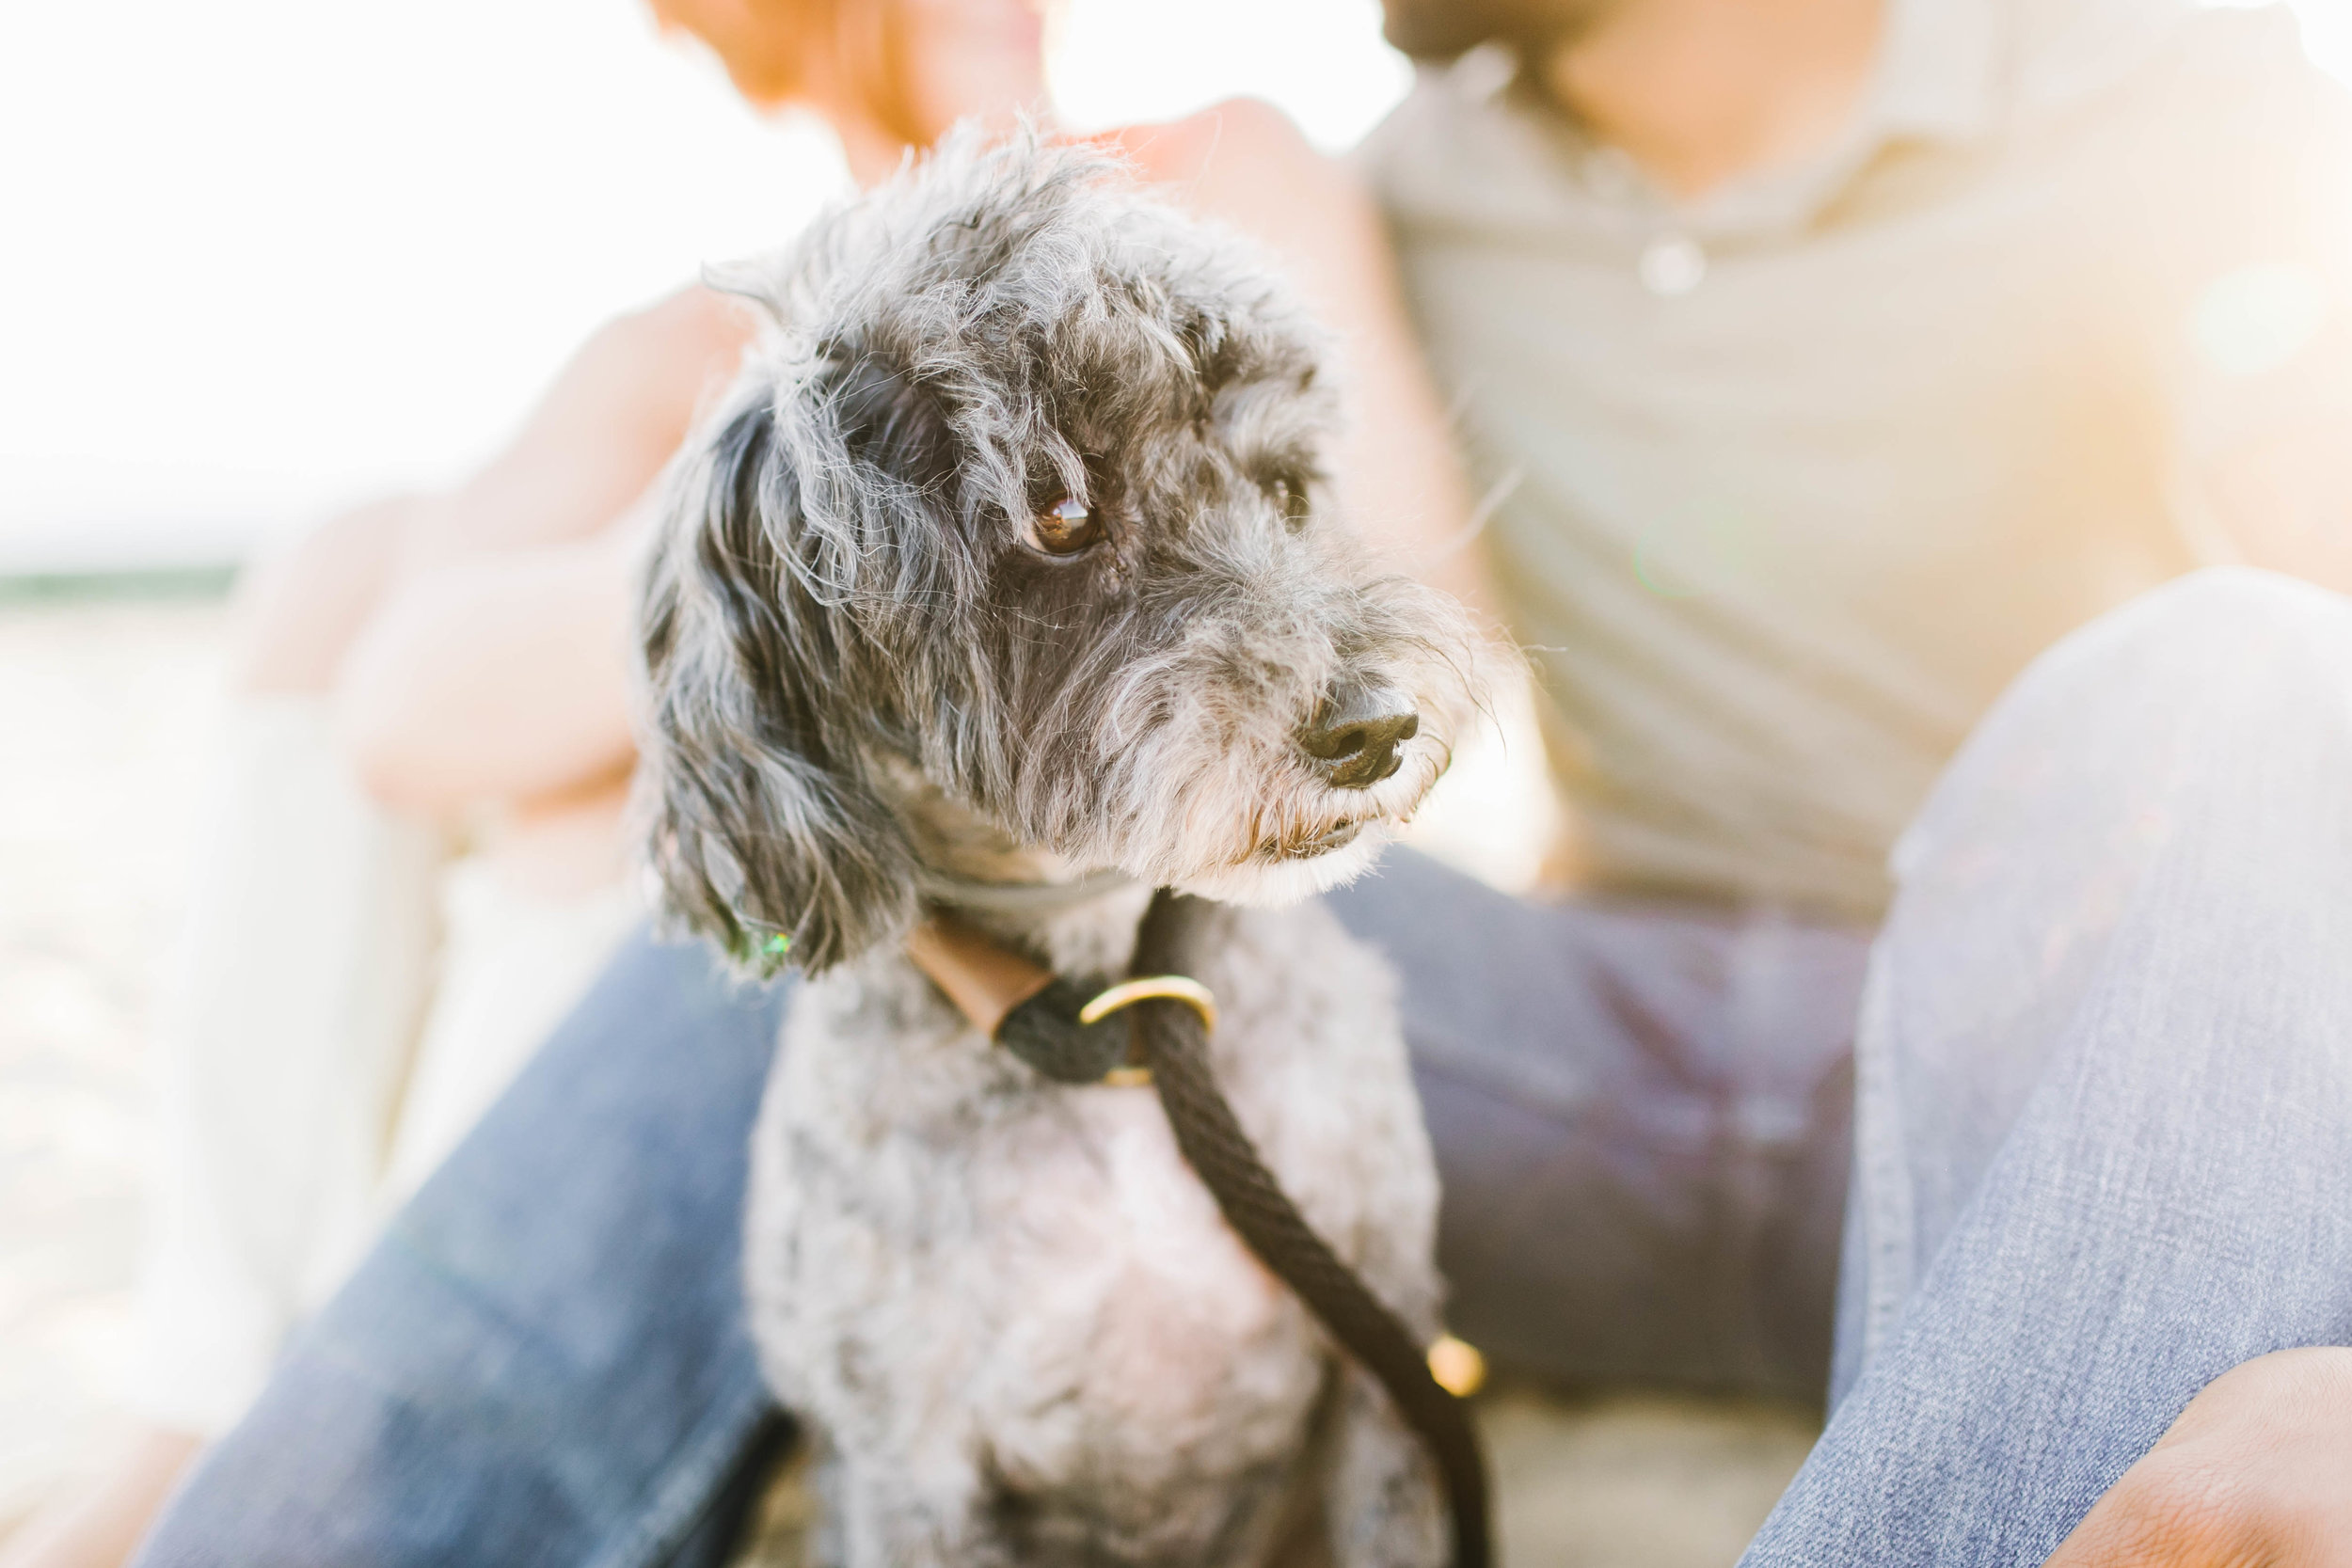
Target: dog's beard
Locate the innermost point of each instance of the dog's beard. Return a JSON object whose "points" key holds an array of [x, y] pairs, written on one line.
{"points": [[1270, 883], [1319, 852], [1262, 830]]}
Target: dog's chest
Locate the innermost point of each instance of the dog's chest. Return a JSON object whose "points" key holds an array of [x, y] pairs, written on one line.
{"points": [[953, 1263]]}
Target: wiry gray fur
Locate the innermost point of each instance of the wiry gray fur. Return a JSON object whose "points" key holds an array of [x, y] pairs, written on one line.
{"points": [[1010, 1312]]}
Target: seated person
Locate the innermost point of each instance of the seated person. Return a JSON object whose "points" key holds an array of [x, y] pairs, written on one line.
{"points": [[1854, 370]]}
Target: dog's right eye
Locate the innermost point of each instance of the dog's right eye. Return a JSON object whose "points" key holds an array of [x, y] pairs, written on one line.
{"points": [[1067, 528]]}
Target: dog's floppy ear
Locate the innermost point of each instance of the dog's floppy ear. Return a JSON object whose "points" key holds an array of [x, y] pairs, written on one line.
{"points": [[768, 831]]}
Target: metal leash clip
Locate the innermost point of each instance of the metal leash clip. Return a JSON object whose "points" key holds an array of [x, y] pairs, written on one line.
{"points": [[1170, 987]]}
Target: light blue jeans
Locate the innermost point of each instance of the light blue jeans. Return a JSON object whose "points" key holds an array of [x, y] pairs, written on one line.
{"points": [[2104, 1153], [2103, 1144]]}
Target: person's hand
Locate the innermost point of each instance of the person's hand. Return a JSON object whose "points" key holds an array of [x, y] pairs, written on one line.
{"points": [[2257, 1473]]}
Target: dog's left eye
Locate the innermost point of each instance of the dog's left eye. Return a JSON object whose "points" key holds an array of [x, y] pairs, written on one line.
{"points": [[1065, 529]]}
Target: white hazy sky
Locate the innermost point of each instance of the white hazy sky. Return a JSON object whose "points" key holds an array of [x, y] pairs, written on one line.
{"points": [[262, 257], [258, 258]]}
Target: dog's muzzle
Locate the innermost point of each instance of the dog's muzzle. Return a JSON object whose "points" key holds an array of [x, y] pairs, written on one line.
{"points": [[1356, 732]]}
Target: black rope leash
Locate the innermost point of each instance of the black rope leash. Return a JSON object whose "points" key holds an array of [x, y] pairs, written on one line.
{"points": [[1068, 1037], [1173, 1040]]}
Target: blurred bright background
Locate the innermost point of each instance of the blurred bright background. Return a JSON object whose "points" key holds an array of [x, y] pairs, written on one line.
{"points": [[265, 257], [268, 257]]}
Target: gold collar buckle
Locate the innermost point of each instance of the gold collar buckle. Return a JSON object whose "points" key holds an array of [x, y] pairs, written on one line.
{"points": [[1148, 987]]}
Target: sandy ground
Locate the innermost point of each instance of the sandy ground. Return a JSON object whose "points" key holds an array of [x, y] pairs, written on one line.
{"points": [[110, 710]]}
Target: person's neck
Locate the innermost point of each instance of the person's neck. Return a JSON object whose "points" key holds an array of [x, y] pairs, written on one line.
{"points": [[1699, 92]]}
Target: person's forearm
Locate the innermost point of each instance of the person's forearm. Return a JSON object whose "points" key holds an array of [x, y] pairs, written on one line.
{"points": [[597, 439], [493, 663], [1401, 481], [298, 609], [1400, 476], [495, 679]]}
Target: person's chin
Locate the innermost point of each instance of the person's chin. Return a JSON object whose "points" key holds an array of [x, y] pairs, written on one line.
{"points": [[1443, 29]]}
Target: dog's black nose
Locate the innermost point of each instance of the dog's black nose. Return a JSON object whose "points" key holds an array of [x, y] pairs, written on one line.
{"points": [[1355, 734]]}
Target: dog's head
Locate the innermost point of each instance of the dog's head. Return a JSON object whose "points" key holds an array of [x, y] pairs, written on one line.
{"points": [[1025, 494]]}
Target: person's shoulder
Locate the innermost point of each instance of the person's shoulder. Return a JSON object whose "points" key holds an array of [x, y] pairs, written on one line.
{"points": [[1461, 99], [647, 370], [664, 356], [2188, 146], [1467, 143], [2188, 68], [2238, 41], [690, 324], [2227, 92], [1238, 131]]}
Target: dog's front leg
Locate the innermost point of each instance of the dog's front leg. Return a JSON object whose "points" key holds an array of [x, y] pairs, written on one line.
{"points": [[1383, 1500], [906, 1513]]}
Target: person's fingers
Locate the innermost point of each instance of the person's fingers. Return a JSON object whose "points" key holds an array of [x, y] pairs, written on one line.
{"points": [[2256, 1473], [2161, 1514]]}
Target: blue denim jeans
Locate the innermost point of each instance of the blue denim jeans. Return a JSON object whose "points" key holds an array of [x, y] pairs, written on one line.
{"points": [[2104, 1152], [2105, 1138]]}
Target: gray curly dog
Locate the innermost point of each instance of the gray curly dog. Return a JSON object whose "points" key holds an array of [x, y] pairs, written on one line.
{"points": [[1003, 582]]}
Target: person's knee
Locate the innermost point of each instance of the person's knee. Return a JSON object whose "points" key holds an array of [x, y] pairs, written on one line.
{"points": [[2226, 601], [2226, 684], [2221, 667], [2254, 635], [299, 610]]}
